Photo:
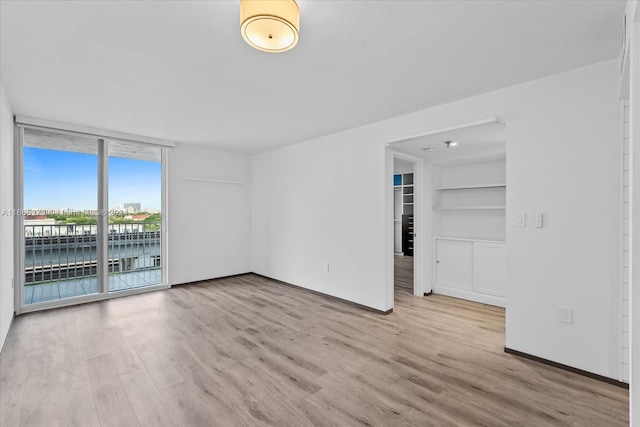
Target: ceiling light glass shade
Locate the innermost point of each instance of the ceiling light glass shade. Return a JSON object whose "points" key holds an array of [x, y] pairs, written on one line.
{"points": [[270, 25]]}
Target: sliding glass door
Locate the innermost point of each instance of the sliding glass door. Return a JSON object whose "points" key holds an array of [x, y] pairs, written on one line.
{"points": [[135, 220], [60, 196], [91, 224]]}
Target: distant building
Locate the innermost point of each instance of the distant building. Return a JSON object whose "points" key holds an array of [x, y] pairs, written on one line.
{"points": [[132, 208]]}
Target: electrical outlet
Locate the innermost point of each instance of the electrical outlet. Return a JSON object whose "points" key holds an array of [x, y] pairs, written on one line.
{"points": [[565, 315], [326, 267]]}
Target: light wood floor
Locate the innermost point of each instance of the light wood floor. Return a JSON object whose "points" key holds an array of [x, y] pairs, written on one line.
{"points": [[250, 351], [403, 273]]}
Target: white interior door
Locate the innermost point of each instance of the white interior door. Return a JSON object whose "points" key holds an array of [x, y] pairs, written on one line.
{"points": [[397, 220]]}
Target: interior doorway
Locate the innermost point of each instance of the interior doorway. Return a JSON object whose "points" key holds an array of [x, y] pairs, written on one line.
{"points": [[463, 225], [405, 209]]}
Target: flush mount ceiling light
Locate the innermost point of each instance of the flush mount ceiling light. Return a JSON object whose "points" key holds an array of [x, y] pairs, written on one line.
{"points": [[450, 144], [270, 25]]}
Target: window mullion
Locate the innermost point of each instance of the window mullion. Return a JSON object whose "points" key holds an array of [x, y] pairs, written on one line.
{"points": [[103, 217]]}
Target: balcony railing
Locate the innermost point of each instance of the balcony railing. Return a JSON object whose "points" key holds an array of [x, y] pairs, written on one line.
{"points": [[69, 251]]}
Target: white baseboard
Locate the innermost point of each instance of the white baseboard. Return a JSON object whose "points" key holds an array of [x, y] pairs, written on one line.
{"points": [[469, 295]]}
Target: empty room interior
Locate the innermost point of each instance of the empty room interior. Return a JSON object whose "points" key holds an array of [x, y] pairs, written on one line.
{"points": [[297, 213]]}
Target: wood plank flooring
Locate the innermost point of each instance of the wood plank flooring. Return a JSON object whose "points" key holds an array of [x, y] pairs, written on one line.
{"points": [[403, 272], [247, 351]]}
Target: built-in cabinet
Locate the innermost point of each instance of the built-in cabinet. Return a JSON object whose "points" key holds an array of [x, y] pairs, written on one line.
{"points": [[469, 223], [471, 269]]}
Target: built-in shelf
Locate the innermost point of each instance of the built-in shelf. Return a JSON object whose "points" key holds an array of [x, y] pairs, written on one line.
{"points": [[468, 208], [471, 187], [471, 239], [469, 221]]}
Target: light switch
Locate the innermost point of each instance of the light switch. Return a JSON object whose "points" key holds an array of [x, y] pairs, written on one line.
{"points": [[539, 219], [521, 220]]}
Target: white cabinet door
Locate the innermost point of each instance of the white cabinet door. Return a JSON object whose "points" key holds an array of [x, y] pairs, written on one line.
{"points": [[471, 269], [490, 268], [454, 263]]}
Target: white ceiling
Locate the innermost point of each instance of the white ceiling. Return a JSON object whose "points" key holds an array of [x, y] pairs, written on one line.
{"points": [[473, 142], [402, 166], [179, 70]]}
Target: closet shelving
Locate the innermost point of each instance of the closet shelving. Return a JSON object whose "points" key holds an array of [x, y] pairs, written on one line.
{"points": [[404, 183], [407, 194]]}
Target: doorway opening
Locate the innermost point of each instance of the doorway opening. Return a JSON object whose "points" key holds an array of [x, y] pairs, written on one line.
{"points": [[404, 196], [460, 177]]}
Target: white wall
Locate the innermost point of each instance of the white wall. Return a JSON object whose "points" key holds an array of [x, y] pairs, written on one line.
{"points": [[626, 246], [324, 201], [6, 221], [209, 223], [635, 218]]}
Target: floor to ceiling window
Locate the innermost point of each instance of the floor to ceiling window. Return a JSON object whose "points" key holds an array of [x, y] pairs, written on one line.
{"points": [[91, 223], [60, 216], [135, 184]]}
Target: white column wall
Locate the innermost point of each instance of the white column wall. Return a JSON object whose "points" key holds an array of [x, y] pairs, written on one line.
{"points": [[6, 218]]}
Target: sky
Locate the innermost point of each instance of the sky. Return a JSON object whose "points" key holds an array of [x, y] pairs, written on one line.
{"points": [[61, 179]]}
